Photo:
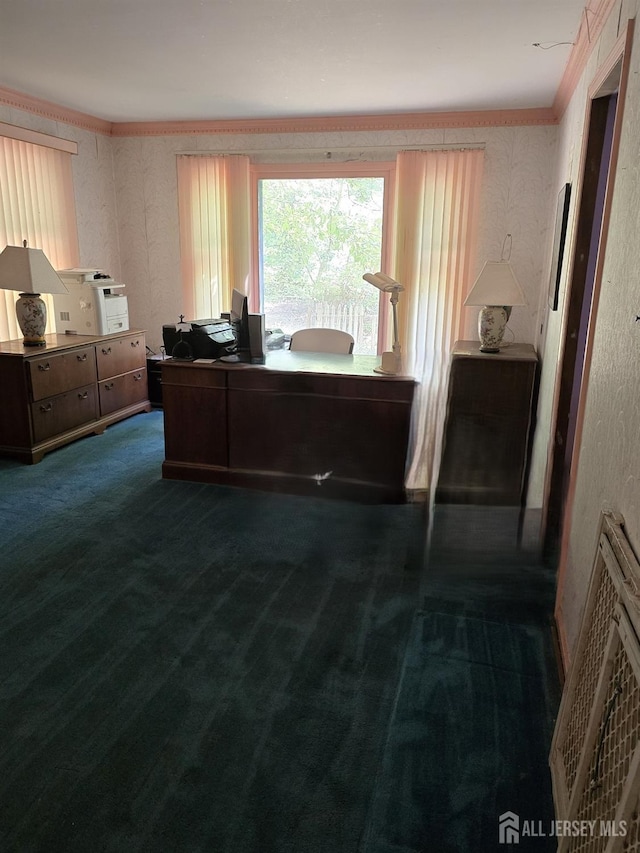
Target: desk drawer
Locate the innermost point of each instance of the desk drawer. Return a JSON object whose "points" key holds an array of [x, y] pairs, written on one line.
{"points": [[374, 387], [50, 375], [64, 412], [122, 391], [192, 375], [120, 355]]}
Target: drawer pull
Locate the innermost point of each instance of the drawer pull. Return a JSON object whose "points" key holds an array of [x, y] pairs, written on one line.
{"points": [[137, 377], [82, 357], [108, 386], [135, 343], [83, 395], [106, 351], [46, 366], [46, 408]]}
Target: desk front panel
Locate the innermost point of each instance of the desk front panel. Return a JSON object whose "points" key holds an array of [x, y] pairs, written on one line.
{"points": [[352, 442], [286, 431], [374, 387], [195, 414]]}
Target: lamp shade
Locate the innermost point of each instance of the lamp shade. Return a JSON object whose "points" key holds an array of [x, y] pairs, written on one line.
{"points": [[28, 271], [496, 285]]}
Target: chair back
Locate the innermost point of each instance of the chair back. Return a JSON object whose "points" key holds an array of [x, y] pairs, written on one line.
{"points": [[322, 340]]}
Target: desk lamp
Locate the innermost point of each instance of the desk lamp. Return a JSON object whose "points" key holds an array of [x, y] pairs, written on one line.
{"points": [[29, 272], [391, 361]]}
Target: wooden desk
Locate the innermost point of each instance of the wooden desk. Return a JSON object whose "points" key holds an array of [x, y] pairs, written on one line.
{"points": [[490, 418], [283, 425]]}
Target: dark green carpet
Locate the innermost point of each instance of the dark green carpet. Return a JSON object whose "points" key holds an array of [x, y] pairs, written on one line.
{"points": [[196, 668], [190, 667], [468, 738]]}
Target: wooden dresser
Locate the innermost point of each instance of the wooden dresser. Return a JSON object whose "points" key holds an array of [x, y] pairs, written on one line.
{"points": [[490, 418], [72, 386]]}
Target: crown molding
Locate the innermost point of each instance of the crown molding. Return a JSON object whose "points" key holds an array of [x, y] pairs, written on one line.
{"points": [[55, 112], [594, 18], [342, 124], [311, 124]]}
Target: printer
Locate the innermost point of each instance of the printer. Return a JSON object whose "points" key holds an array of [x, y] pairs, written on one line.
{"points": [[188, 340], [94, 304]]}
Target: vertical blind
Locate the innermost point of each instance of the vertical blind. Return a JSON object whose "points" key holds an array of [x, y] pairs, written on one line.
{"points": [[215, 232], [436, 219], [36, 205]]}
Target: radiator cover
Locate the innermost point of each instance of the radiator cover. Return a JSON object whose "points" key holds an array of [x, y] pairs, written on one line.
{"points": [[595, 753]]}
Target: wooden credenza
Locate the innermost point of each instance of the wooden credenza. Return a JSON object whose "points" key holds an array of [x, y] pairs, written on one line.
{"points": [[489, 425], [72, 386], [305, 423]]}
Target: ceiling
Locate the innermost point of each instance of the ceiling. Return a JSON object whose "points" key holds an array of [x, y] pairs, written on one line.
{"points": [[163, 60]]}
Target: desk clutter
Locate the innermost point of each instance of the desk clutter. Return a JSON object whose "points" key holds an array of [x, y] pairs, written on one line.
{"points": [[199, 339], [218, 339], [235, 336]]}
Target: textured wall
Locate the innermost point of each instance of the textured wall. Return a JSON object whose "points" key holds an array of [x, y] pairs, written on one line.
{"points": [[517, 194], [609, 461], [566, 170]]}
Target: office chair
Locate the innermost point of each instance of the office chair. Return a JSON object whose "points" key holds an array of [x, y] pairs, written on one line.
{"points": [[322, 340]]}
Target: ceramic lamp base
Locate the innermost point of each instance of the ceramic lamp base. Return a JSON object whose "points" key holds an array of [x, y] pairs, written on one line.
{"points": [[492, 321], [31, 313]]}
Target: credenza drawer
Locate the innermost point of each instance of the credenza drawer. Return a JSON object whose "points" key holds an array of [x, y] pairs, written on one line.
{"points": [[121, 355], [58, 414], [52, 374], [122, 391]]}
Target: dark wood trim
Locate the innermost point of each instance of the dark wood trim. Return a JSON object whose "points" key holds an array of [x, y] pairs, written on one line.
{"points": [[558, 484]]}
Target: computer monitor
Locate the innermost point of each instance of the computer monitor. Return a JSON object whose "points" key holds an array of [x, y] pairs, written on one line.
{"points": [[239, 317]]}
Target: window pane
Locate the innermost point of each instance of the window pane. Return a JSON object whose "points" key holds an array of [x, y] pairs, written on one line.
{"points": [[318, 236]]}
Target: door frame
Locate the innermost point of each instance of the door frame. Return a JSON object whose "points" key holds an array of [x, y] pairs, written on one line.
{"points": [[612, 75]]}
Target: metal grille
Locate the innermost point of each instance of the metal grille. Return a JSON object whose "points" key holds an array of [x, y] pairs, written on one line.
{"points": [[590, 664], [595, 757], [632, 841], [618, 730]]}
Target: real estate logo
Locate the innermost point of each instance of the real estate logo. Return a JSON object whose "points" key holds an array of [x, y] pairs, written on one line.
{"points": [[511, 829]]}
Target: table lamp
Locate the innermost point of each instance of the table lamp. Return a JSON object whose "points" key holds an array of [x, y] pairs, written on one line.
{"points": [[29, 272], [391, 361], [497, 290]]}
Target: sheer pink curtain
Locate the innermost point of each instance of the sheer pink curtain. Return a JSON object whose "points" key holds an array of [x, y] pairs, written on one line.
{"points": [[215, 232], [36, 205], [436, 214]]}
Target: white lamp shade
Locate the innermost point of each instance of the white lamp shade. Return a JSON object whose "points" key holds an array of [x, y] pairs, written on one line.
{"points": [[496, 285], [28, 271]]}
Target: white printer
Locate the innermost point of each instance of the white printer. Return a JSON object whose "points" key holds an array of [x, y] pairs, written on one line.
{"points": [[94, 305]]}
